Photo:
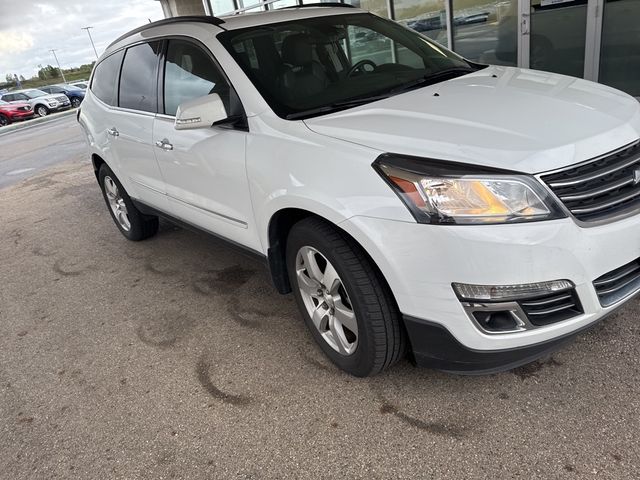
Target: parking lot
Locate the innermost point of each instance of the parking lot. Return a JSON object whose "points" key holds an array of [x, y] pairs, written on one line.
{"points": [[176, 358]]}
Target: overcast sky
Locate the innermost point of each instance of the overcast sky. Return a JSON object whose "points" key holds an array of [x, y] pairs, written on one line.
{"points": [[30, 28]]}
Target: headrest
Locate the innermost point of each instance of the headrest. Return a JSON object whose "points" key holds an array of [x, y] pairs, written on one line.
{"points": [[296, 49]]}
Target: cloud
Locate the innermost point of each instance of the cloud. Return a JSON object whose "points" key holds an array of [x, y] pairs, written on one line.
{"points": [[13, 42], [30, 28]]}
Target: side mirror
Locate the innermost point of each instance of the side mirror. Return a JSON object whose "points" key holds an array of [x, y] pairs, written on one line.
{"points": [[200, 112]]}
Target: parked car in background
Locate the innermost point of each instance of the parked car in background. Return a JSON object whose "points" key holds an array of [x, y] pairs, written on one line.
{"points": [[73, 93], [12, 112], [42, 103], [82, 84]]}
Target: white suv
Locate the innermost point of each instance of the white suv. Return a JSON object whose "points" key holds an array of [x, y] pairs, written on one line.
{"points": [[474, 216]]}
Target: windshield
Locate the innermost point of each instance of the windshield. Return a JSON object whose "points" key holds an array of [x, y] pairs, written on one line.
{"points": [[312, 66], [34, 93]]}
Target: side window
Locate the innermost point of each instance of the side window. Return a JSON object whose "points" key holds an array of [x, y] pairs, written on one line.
{"points": [[105, 79], [138, 77], [190, 73], [8, 98]]}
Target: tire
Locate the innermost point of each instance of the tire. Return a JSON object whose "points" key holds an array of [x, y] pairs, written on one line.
{"points": [[4, 120], [380, 340], [41, 110], [75, 102], [137, 225]]}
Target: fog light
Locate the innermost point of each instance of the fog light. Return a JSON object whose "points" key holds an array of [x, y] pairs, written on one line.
{"points": [[509, 292]]}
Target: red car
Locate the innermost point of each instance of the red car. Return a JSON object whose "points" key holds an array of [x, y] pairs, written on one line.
{"points": [[11, 112]]}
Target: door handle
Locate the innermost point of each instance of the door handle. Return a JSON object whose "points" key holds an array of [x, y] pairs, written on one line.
{"points": [[113, 131], [164, 144]]}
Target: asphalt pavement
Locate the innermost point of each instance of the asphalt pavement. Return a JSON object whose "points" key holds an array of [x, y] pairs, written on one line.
{"points": [[175, 358]]}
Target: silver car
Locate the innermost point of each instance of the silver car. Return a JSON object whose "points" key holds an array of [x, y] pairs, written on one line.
{"points": [[42, 103]]}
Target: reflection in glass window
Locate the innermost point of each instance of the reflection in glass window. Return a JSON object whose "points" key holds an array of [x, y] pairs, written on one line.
{"points": [[486, 31], [138, 77], [105, 79], [190, 73], [428, 18], [379, 7], [221, 7], [620, 57]]}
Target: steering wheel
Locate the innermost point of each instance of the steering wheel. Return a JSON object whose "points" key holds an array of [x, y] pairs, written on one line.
{"points": [[358, 66]]}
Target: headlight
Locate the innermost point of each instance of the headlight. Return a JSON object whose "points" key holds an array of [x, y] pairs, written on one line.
{"points": [[454, 193]]}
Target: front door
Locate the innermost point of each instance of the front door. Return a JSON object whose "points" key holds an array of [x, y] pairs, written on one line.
{"points": [[204, 168]]}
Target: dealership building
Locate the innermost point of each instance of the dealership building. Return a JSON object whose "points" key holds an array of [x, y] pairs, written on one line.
{"points": [[594, 39]]}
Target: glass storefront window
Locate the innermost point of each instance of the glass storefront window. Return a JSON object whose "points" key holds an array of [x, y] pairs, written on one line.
{"points": [[221, 7], [428, 18], [486, 31], [282, 4], [620, 54], [558, 36], [379, 7]]}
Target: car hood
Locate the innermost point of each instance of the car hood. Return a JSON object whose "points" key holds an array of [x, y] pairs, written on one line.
{"points": [[14, 106], [502, 117]]}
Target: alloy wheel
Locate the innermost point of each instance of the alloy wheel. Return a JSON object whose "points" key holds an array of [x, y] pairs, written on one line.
{"points": [[326, 300], [42, 111], [116, 202]]}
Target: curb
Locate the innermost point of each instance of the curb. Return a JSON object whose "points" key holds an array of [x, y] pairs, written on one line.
{"points": [[36, 121]]}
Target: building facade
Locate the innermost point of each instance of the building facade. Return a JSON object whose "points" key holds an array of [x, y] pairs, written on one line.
{"points": [[594, 39]]}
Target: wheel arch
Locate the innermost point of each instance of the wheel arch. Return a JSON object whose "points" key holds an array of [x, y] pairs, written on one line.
{"points": [[280, 224], [97, 161]]}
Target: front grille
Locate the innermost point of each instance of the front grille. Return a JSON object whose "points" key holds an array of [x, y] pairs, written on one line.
{"points": [[62, 98], [618, 284], [601, 188], [552, 308]]}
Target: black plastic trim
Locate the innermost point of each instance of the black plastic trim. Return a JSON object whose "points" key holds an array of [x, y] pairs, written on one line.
{"points": [[435, 347], [169, 21]]}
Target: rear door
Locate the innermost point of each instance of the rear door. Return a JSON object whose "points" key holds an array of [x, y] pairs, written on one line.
{"points": [[204, 168], [132, 124]]}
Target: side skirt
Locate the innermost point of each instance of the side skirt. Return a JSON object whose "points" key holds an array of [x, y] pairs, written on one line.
{"points": [[246, 251]]}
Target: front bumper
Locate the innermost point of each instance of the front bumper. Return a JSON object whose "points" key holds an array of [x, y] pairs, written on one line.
{"points": [[59, 106], [420, 262]]}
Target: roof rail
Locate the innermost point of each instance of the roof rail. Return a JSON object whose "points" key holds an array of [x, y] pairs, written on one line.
{"points": [[169, 21], [324, 4]]}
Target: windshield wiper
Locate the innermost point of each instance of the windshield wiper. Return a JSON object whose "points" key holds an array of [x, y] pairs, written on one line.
{"points": [[335, 107], [436, 77]]}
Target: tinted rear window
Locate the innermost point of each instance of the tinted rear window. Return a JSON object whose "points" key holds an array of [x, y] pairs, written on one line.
{"points": [[105, 79], [138, 79]]}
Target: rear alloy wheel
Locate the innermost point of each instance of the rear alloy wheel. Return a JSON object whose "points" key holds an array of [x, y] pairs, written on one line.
{"points": [[75, 102], [131, 222], [4, 121], [42, 111], [343, 298]]}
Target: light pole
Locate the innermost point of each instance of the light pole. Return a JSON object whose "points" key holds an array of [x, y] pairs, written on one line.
{"points": [[64, 80], [90, 39]]}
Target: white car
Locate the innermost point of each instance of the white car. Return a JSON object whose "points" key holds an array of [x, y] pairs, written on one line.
{"points": [[475, 217], [42, 103]]}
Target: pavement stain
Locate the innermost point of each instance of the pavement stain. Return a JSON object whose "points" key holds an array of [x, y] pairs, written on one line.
{"points": [[225, 281], [164, 330], [246, 316], [203, 374], [532, 369], [70, 268], [435, 428]]}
